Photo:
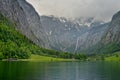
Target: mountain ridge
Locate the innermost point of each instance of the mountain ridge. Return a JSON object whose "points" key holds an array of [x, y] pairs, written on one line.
{"points": [[76, 36], [72, 35]]}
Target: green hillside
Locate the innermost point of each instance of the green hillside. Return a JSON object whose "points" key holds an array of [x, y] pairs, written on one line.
{"points": [[15, 45], [12, 43]]}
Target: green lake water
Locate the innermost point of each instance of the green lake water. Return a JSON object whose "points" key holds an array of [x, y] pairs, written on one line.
{"points": [[60, 70]]}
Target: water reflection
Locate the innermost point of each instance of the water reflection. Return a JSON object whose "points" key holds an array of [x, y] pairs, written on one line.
{"points": [[59, 71]]}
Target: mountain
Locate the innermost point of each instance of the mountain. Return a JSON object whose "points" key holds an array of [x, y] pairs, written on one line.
{"points": [[72, 35], [14, 21], [112, 34], [110, 41], [91, 37], [15, 45], [62, 33], [79, 35], [26, 19]]}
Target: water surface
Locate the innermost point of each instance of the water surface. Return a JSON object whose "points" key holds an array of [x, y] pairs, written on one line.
{"points": [[60, 70]]}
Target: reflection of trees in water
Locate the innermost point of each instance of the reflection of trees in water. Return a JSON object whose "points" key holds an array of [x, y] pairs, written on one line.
{"points": [[59, 70]]}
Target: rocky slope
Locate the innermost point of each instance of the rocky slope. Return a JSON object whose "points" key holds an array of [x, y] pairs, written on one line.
{"points": [[91, 37], [113, 33], [110, 41], [72, 35], [26, 19]]}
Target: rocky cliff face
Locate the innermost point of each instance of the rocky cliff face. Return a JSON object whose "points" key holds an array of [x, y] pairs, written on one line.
{"points": [[26, 19], [72, 35], [62, 34], [111, 39], [91, 37], [113, 33]]}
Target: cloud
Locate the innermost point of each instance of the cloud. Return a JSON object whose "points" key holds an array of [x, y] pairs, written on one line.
{"points": [[100, 9]]}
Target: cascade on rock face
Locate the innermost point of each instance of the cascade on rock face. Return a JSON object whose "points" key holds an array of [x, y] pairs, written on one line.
{"points": [[72, 35]]}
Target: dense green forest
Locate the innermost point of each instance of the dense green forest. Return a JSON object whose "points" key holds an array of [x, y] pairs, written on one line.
{"points": [[15, 45]]}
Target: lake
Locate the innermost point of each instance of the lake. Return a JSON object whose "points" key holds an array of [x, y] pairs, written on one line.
{"points": [[98, 70]]}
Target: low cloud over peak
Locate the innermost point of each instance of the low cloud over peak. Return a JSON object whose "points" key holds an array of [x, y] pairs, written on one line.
{"points": [[99, 9]]}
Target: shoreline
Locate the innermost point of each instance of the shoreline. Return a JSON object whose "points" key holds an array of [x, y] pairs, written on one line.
{"points": [[39, 60]]}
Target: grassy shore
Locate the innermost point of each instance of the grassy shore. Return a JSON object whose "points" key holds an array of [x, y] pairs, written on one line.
{"points": [[105, 57], [114, 57], [39, 58]]}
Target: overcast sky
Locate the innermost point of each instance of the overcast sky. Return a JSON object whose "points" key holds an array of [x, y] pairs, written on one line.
{"points": [[100, 9]]}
